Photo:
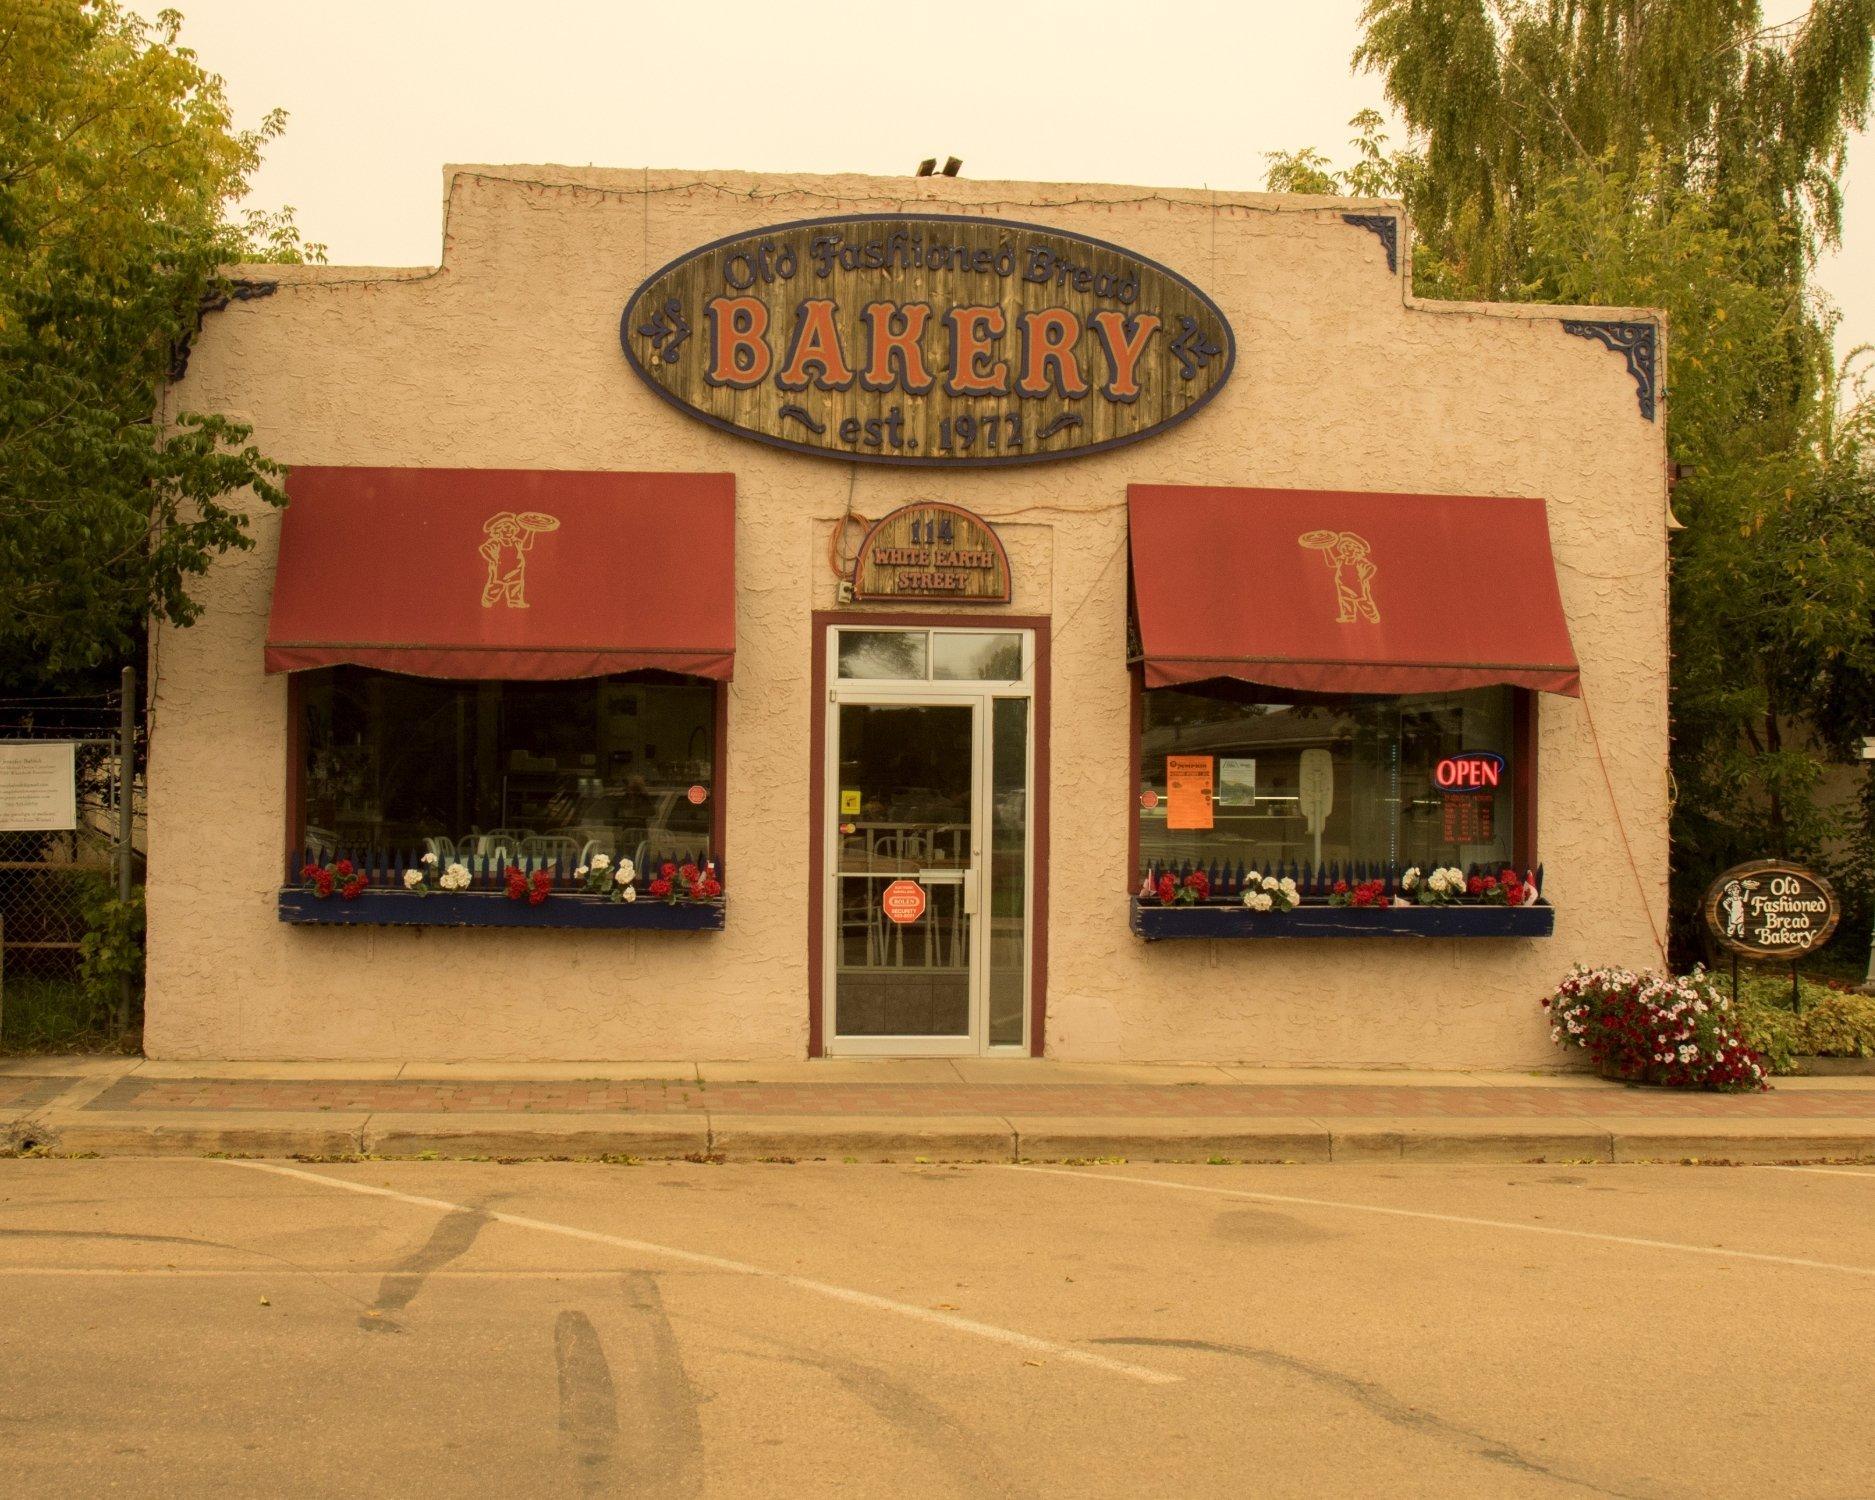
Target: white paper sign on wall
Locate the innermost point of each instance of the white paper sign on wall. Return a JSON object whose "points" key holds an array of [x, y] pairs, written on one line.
{"points": [[38, 787]]}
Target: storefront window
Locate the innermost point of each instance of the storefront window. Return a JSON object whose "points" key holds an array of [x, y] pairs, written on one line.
{"points": [[1232, 773], [511, 772]]}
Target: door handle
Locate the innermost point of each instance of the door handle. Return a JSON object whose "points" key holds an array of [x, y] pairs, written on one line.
{"points": [[941, 877]]}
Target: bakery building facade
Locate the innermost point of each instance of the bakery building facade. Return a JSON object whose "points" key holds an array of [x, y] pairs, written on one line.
{"points": [[733, 616]]}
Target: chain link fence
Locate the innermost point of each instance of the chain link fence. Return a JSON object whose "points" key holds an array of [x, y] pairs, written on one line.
{"points": [[49, 880]]}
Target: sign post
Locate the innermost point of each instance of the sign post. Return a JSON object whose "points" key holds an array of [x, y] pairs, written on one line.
{"points": [[1771, 909], [1868, 980]]}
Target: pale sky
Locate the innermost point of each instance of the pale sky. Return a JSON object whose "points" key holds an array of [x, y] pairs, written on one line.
{"points": [[1181, 93]]}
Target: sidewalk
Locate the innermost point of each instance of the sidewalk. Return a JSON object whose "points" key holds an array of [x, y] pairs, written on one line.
{"points": [[937, 1110]]}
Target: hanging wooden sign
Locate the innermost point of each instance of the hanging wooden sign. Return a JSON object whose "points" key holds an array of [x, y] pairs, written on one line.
{"points": [[928, 339], [1769, 909], [931, 550]]}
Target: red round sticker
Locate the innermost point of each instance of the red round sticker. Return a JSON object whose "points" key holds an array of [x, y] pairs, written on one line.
{"points": [[903, 901], [697, 795], [1149, 800]]}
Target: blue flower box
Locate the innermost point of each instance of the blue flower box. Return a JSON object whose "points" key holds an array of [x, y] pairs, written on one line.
{"points": [[1157, 923], [395, 908]]}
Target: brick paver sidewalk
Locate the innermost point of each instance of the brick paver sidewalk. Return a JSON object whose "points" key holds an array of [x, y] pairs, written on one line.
{"points": [[1105, 1100]]}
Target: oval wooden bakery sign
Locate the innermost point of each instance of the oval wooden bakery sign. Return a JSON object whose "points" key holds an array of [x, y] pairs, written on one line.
{"points": [[1769, 909], [929, 550], [927, 339]]}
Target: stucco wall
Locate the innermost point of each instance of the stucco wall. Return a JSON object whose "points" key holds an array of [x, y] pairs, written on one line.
{"points": [[507, 356]]}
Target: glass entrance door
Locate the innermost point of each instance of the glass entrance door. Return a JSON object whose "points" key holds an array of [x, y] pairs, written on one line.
{"points": [[926, 942], [905, 870]]}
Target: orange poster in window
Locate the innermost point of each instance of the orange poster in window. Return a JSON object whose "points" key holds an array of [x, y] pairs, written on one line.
{"points": [[1187, 791]]}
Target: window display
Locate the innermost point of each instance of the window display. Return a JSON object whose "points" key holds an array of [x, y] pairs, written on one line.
{"points": [[514, 773]]}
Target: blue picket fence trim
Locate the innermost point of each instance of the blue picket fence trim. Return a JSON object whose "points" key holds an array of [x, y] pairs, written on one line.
{"points": [[382, 908], [383, 869], [1314, 884], [386, 903]]}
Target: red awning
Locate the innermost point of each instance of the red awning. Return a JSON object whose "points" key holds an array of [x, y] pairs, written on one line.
{"points": [[505, 573], [1331, 592]]}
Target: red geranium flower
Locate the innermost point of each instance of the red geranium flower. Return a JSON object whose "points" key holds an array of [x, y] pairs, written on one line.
{"points": [[659, 888], [667, 869], [1341, 887], [343, 867], [1168, 889], [1475, 885], [309, 872]]}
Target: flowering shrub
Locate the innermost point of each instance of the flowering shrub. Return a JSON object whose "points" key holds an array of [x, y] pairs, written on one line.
{"points": [[1654, 1028], [343, 877], [1442, 887], [1505, 888], [686, 882], [533, 889], [1171, 891], [1267, 893], [1366, 893], [425, 878], [600, 879]]}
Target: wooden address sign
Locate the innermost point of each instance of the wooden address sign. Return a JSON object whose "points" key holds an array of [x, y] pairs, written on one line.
{"points": [[927, 339], [1769, 909], [932, 551]]}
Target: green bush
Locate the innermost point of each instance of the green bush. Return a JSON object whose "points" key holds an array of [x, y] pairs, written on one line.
{"points": [[112, 947], [1832, 1024]]}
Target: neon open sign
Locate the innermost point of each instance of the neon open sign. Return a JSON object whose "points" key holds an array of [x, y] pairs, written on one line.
{"points": [[1469, 771]]}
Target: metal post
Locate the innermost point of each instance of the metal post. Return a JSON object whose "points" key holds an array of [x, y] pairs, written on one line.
{"points": [[126, 796], [1868, 980]]}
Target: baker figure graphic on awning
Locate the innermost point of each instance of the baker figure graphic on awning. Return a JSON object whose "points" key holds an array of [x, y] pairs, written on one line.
{"points": [[508, 538]]}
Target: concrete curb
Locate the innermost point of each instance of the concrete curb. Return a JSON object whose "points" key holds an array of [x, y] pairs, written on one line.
{"points": [[748, 1138]]}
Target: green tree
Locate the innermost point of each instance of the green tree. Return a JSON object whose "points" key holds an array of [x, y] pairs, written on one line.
{"points": [[1677, 154], [120, 172]]}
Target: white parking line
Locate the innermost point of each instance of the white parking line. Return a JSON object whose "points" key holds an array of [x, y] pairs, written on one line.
{"points": [[1064, 1352], [1825, 1171], [1466, 1219]]}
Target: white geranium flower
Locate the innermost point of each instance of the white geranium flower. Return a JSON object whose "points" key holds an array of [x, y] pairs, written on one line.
{"points": [[412, 879], [630, 893], [602, 861], [1252, 879], [1410, 879], [1437, 881], [580, 873], [1257, 900], [455, 878], [430, 858], [627, 872], [1288, 885], [1271, 883]]}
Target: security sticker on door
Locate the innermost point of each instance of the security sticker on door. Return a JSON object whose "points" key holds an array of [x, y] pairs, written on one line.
{"points": [[849, 802]]}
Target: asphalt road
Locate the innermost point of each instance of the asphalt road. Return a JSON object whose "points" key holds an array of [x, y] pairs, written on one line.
{"points": [[468, 1329]]}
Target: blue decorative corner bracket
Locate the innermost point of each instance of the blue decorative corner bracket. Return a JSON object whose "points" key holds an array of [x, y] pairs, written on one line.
{"points": [[1387, 227], [1638, 343]]}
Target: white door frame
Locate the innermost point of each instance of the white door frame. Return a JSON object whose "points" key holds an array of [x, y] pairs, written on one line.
{"points": [[980, 697]]}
